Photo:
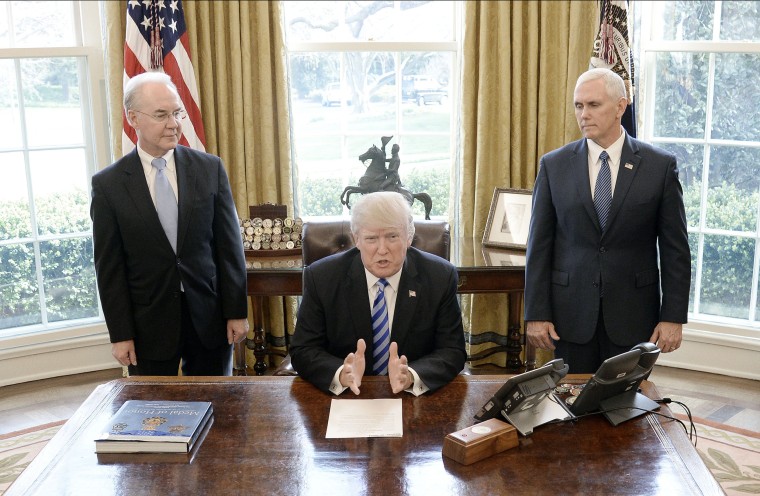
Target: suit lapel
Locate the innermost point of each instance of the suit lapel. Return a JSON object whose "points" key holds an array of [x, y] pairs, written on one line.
{"points": [[406, 302], [579, 165], [629, 166], [358, 303], [137, 189], [186, 174]]}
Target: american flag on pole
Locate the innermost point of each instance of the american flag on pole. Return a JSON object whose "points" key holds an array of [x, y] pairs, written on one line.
{"points": [[612, 50], [156, 40]]}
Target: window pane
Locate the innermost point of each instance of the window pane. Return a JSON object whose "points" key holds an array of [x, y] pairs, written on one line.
{"points": [[369, 21], [42, 24], [690, 159], [59, 179], [330, 134], [733, 118], [5, 31], [10, 138], [69, 278], [321, 170], [684, 20], [681, 94], [15, 220], [19, 298], [740, 20], [727, 276], [51, 101], [734, 185]]}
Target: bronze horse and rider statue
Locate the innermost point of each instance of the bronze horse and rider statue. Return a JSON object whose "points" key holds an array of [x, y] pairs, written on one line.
{"points": [[378, 177]]}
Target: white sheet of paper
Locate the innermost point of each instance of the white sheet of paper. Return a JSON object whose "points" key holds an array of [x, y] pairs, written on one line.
{"points": [[365, 418]]}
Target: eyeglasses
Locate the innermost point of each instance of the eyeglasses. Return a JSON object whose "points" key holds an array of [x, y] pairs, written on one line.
{"points": [[162, 117]]}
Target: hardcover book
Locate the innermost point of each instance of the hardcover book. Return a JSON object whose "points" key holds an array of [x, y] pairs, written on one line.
{"points": [[155, 427]]}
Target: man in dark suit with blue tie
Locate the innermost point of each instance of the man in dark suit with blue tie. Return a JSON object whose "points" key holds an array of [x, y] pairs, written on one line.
{"points": [[609, 269], [382, 307], [168, 252]]}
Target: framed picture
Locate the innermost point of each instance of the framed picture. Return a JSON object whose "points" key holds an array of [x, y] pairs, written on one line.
{"points": [[509, 219]]}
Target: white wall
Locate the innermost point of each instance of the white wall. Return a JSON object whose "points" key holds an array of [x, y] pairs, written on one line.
{"points": [[733, 352], [55, 353], [86, 349]]}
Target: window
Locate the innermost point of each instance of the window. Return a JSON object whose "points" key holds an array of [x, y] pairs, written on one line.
{"points": [[363, 70], [701, 64], [47, 155]]}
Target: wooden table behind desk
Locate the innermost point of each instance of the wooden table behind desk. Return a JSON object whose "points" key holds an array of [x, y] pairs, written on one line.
{"points": [[268, 437]]}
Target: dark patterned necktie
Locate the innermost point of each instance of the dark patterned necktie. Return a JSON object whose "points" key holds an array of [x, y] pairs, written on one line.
{"points": [[603, 191]]}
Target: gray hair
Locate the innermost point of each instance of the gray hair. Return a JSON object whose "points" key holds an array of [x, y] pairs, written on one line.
{"points": [[384, 209], [132, 89], [613, 83]]}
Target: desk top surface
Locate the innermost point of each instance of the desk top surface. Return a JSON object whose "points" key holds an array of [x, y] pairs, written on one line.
{"points": [[268, 437]]}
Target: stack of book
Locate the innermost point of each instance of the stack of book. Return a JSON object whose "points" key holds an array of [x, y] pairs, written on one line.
{"points": [[155, 427]]}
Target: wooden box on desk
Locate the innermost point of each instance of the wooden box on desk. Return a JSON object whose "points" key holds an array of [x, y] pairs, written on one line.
{"points": [[480, 441]]}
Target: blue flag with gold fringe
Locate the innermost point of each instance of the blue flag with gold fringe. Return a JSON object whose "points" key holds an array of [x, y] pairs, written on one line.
{"points": [[612, 50]]}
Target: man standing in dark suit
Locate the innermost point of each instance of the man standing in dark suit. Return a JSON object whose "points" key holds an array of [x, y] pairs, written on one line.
{"points": [[363, 307], [609, 269], [168, 252]]}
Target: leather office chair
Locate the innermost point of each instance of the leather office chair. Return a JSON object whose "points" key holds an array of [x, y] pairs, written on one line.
{"points": [[329, 235]]}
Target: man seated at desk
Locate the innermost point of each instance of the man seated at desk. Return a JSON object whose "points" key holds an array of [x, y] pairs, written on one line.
{"points": [[363, 307]]}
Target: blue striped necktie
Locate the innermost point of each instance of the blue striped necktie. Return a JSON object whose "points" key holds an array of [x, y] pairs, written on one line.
{"points": [[381, 332], [603, 191], [166, 202]]}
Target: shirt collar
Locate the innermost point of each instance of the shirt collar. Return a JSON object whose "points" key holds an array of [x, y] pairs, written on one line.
{"points": [[146, 158], [614, 150], [393, 280]]}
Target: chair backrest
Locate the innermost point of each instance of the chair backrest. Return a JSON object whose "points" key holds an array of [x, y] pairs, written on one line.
{"points": [[328, 235]]}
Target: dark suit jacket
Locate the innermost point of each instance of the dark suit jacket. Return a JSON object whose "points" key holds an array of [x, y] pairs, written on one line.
{"points": [[139, 274], [335, 313], [569, 261]]}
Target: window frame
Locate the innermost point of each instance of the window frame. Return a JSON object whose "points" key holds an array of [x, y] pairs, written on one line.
{"points": [[89, 50], [454, 47], [648, 50]]}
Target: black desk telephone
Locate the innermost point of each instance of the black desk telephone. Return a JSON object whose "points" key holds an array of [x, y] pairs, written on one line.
{"points": [[524, 391]]}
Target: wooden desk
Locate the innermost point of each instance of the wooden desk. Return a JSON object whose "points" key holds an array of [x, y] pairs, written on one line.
{"points": [[481, 270], [268, 437]]}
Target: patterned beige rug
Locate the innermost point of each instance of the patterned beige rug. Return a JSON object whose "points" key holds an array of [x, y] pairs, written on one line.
{"points": [[18, 449], [731, 454]]}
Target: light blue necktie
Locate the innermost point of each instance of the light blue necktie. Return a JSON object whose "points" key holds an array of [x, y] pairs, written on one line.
{"points": [[166, 202], [381, 333], [603, 191]]}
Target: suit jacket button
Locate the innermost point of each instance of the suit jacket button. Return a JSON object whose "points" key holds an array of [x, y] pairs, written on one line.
{"points": [[179, 261], [602, 249]]}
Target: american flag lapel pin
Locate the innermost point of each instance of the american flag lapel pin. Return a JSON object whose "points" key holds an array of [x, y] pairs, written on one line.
{"points": [[628, 165], [412, 294]]}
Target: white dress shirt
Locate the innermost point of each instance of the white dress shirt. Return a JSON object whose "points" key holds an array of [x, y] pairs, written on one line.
{"points": [[151, 172]]}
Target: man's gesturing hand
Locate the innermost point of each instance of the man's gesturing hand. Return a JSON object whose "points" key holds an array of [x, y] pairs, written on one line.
{"points": [[353, 368]]}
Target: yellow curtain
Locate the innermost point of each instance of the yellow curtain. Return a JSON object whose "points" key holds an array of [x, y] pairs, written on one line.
{"points": [[238, 56], [520, 63]]}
